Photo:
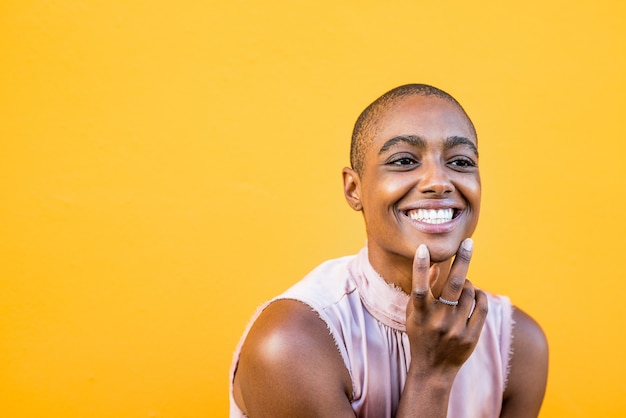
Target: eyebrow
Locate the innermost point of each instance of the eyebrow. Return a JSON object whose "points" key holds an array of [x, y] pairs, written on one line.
{"points": [[419, 142], [454, 141], [413, 140]]}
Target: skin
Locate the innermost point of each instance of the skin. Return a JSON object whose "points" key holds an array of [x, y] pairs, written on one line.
{"points": [[423, 155]]}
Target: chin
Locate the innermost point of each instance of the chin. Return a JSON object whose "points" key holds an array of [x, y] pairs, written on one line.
{"points": [[439, 256], [440, 252]]}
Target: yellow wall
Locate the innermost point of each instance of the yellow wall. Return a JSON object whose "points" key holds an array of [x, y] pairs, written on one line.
{"points": [[167, 166]]}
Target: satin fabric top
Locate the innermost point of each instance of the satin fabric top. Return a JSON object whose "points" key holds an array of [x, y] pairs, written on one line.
{"points": [[366, 317]]}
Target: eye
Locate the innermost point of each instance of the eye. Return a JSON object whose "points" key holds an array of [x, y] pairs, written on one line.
{"points": [[462, 162], [403, 161]]}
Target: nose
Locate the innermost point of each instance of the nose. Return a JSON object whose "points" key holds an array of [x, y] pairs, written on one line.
{"points": [[435, 179]]}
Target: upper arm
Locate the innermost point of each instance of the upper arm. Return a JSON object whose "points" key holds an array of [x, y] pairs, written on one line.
{"points": [[289, 366], [529, 369]]}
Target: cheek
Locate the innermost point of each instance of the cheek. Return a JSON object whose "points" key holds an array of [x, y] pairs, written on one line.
{"points": [[387, 191], [476, 197], [473, 194], [397, 186], [381, 201], [472, 191]]}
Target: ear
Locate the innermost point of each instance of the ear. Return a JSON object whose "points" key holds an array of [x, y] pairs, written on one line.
{"points": [[352, 188]]}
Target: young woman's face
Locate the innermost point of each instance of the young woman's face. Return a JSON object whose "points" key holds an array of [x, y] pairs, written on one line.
{"points": [[420, 182]]}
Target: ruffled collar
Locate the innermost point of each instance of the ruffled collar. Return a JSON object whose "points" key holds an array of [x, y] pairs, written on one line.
{"points": [[386, 302]]}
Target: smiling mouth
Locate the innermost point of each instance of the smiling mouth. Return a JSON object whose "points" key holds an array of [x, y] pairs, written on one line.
{"points": [[432, 216]]}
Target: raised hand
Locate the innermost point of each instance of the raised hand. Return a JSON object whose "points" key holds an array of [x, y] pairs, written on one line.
{"points": [[443, 331]]}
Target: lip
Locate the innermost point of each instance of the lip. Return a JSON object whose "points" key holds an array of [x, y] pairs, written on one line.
{"points": [[429, 228]]}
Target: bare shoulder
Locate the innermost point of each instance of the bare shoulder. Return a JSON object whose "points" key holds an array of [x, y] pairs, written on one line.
{"points": [[529, 368], [290, 366]]}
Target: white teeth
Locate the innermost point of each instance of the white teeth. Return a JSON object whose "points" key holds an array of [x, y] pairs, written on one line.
{"points": [[432, 216]]}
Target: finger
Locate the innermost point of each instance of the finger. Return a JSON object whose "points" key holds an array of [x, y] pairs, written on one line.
{"points": [[479, 314], [467, 301], [433, 275], [420, 292], [458, 272]]}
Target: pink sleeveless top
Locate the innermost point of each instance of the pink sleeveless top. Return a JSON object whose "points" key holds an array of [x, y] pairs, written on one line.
{"points": [[366, 317]]}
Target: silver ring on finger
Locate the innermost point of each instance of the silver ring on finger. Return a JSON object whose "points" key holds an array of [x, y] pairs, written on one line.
{"points": [[448, 302]]}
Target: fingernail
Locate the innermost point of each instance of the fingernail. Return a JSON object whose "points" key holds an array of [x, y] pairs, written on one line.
{"points": [[468, 244], [422, 251]]}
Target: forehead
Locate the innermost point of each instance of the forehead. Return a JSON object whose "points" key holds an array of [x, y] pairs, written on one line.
{"points": [[432, 118]]}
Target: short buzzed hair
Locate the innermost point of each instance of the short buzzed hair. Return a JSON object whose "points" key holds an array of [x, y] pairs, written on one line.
{"points": [[367, 122]]}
